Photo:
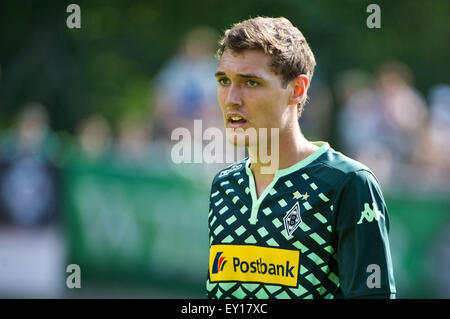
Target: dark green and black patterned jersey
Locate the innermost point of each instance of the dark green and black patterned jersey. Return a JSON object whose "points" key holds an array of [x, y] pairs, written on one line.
{"points": [[319, 230]]}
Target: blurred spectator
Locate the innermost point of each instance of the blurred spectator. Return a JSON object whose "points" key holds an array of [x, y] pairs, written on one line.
{"points": [[28, 175], [316, 118], [360, 123], [133, 145], [30, 135], [94, 137], [360, 115], [31, 247], [404, 110], [433, 151], [383, 121], [186, 88]]}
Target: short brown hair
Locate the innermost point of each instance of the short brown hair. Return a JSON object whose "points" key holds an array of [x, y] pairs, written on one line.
{"points": [[290, 54]]}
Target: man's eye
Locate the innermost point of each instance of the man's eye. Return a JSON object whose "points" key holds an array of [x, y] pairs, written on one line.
{"points": [[252, 83], [224, 81]]}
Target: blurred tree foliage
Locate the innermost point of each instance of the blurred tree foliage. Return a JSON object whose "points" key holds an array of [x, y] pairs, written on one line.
{"points": [[108, 65]]}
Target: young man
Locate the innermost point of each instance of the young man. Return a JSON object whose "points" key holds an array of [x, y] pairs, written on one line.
{"points": [[316, 226]]}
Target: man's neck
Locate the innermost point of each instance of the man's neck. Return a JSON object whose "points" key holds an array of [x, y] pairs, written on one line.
{"points": [[293, 148]]}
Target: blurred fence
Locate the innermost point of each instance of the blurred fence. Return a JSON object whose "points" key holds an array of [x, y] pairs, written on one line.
{"points": [[136, 226], [149, 227]]}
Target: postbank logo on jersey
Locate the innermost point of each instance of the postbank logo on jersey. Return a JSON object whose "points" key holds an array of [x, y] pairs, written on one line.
{"points": [[219, 263], [248, 263]]}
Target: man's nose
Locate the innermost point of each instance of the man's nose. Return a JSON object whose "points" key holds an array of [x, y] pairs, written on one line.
{"points": [[233, 96]]}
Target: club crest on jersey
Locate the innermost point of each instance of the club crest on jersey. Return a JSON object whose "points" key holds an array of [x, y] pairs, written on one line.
{"points": [[292, 219]]}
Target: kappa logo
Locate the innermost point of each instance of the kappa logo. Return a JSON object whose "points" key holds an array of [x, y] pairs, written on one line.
{"points": [[219, 263], [292, 219], [370, 214]]}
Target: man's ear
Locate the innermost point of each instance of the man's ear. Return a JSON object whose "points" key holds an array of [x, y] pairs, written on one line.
{"points": [[300, 87]]}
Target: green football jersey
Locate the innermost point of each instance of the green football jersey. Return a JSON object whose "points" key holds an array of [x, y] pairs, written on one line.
{"points": [[319, 230]]}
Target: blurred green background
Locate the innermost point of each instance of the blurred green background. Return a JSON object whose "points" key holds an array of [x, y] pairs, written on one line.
{"points": [[86, 116]]}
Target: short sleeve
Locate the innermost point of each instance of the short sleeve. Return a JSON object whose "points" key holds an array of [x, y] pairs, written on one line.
{"points": [[363, 250]]}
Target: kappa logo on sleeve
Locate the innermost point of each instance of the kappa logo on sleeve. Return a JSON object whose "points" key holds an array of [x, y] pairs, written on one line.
{"points": [[370, 214], [250, 263]]}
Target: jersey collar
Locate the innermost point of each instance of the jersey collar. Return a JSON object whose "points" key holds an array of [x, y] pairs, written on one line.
{"points": [[256, 202], [323, 147]]}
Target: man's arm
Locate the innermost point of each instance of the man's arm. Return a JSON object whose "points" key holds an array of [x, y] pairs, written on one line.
{"points": [[363, 251]]}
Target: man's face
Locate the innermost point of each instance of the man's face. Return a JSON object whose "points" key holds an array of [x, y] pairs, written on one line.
{"points": [[250, 94]]}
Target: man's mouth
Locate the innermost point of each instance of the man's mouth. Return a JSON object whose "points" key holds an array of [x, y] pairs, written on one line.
{"points": [[236, 121]]}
